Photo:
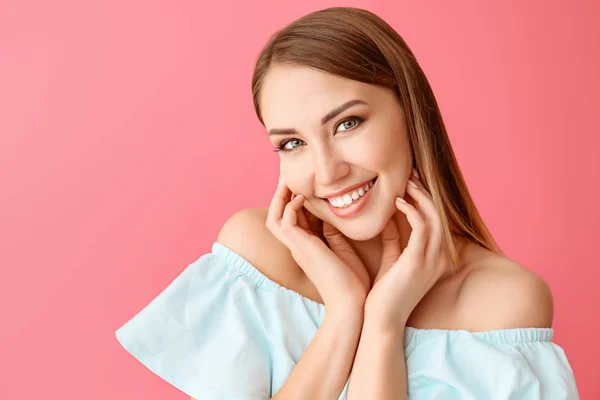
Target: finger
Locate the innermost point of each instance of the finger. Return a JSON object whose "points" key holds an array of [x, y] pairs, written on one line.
{"points": [[280, 198], [390, 239], [421, 186], [427, 207], [303, 220], [341, 248], [415, 178], [336, 240], [338, 243], [418, 236], [313, 221], [391, 250], [280, 173], [411, 200], [414, 172], [295, 236], [289, 219], [422, 198]]}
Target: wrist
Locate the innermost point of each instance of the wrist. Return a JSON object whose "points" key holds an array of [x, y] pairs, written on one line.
{"points": [[352, 312], [393, 325], [385, 335]]}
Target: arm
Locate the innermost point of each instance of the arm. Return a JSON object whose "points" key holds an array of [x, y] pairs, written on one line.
{"points": [[325, 365], [379, 370], [323, 369]]}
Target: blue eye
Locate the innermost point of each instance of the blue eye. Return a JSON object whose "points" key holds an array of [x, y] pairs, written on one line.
{"points": [[285, 143], [282, 146], [349, 120]]}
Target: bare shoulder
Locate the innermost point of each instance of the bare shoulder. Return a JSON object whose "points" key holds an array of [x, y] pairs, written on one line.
{"points": [[245, 233], [499, 293]]}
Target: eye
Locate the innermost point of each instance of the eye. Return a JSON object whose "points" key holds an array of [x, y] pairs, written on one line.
{"points": [[347, 124], [283, 145]]}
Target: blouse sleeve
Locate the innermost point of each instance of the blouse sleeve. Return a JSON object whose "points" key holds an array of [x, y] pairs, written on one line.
{"points": [[203, 334], [503, 364]]}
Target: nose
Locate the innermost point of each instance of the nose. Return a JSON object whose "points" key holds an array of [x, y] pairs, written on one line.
{"points": [[328, 167]]}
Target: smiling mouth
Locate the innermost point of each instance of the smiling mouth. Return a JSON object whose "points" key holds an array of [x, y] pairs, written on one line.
{"points": [[349, 198]]}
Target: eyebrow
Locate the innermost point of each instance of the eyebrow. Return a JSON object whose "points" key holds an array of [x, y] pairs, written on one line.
{"points": [[330, 115]]}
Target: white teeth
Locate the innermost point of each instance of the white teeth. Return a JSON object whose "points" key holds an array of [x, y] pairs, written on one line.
{"points": [[349, 198]]}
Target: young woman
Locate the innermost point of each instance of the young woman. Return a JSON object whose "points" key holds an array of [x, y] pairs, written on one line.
{"points": [[371, 275]]}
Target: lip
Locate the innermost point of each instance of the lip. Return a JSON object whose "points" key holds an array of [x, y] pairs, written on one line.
{"points": [[354, 208], [348, 189]]}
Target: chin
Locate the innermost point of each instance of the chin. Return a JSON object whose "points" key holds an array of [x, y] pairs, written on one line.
{"points": [[360, 234], [365, 228]]}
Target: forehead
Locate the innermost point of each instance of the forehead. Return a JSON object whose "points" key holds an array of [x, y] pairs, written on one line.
{"points": [[296, 95]]}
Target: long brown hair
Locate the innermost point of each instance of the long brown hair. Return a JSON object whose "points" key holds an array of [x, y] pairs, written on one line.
{"points": [[356, 44]]}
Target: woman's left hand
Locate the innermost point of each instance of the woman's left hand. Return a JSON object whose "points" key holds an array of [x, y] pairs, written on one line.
{"points": [[407, 275]]}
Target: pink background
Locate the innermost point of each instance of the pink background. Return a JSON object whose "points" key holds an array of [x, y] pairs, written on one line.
{"points": [[127, 137]]}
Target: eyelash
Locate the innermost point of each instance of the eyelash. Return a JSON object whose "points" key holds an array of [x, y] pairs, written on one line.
{"points": [[281, 147]]}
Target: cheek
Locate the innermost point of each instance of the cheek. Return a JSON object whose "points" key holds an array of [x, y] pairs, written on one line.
{"points": [[384, 151], [296, 181]]}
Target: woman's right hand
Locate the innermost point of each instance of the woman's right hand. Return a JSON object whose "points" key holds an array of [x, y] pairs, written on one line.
{"points": [[337, 272]]}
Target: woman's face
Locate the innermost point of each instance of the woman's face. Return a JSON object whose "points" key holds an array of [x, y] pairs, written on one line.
{"points": [[324, 152]]}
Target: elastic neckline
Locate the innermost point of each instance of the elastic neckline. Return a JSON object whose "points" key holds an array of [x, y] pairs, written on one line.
{"points": [[238, 263], [496, 336], [244, 267]]}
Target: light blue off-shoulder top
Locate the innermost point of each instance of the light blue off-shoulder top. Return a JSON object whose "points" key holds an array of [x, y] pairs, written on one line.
{"points": [[221, 330]]}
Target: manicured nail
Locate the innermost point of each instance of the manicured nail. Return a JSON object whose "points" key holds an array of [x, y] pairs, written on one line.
{"points": [[411, 183], [400, 200]]}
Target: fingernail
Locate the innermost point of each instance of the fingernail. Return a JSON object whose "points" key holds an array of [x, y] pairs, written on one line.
{"points": [[411, 183], [280, 180], [415, 173], [400, 200]]}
